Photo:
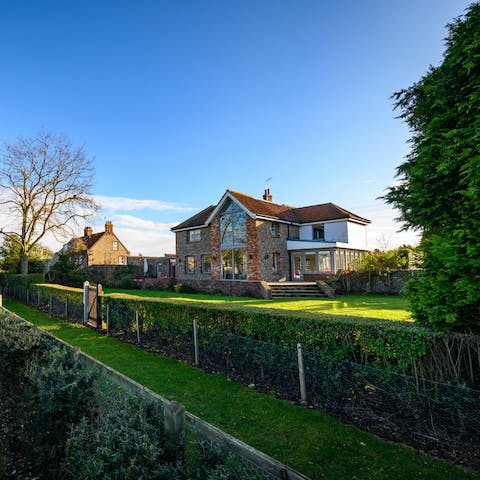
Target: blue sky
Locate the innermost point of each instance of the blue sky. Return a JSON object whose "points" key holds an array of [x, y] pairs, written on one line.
{"points": [[178, 101]]}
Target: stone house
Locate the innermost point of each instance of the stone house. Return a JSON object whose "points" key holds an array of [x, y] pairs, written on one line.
{"points": [[103, 248], [245, 239]]}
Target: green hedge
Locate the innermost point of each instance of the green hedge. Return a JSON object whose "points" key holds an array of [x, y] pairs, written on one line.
{"points": [[20, 280], [401, 347], [74, 295], [379, 343]]}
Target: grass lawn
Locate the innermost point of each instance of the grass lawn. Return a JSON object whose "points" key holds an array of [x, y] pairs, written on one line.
{"points": [[308, 440], [383, 307]]}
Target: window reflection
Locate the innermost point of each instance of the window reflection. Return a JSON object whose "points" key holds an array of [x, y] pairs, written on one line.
{"points": [[233, 237]]}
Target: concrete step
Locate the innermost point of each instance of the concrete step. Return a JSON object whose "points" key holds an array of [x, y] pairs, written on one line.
{"points": [[292, 290]]}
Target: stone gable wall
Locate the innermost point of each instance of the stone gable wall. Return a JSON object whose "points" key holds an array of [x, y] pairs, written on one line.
{"points": [[215, 248], [253, 271], [102, 253], [197, 249], [269, 244]]}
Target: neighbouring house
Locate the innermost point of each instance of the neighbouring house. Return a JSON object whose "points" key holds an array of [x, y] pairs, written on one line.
{"points": [[243, 238], [103, 248]]}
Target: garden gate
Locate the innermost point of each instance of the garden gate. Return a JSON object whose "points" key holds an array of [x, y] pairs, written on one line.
{"points": [[91, 305]]}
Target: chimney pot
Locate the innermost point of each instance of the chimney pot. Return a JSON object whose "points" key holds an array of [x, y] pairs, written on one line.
{"points": [[266, 196], [88, 232], [108, 227]]}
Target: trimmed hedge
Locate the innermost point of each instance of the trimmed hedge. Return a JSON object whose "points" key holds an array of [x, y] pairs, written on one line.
{"points": [[396, 346], [379, 343], [20, 280]]}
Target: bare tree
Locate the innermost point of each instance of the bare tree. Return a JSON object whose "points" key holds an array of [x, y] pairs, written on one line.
{"points": [[45, 186]]}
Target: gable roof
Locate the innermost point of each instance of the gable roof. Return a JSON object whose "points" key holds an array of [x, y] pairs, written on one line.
{"points": [[92, 239], [80, 244], [259, 207], [198, 220], [275, 211], [325, 212]]}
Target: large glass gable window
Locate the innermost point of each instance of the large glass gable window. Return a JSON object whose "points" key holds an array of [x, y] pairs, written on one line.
{"points": [[233, 225], [233, 240]]}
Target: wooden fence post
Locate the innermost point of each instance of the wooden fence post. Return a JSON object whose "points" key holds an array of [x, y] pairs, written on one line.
{"points": [[108, 318], [86, 287], [138, 326], [195, 340], [174, 420], [50, 307], [66, 307], [301, 374]]}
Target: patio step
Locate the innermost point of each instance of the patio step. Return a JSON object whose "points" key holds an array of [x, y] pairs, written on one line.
{"points": [[295, 290]]}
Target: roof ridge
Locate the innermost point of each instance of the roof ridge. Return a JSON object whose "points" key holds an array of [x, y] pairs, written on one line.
{"points": [[260, 199]]}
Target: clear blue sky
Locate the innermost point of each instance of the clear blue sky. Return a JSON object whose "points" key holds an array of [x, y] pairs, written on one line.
{"points": [[178, 101]]}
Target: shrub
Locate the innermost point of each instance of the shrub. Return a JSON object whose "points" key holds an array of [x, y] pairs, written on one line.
{"points": [[59, 395], [183, 288], [20, 343], [125, 441], [127, 282], [19, 280], [365, 341]]}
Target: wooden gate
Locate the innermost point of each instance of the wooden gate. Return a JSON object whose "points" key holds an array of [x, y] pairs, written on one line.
{"points": [[91, 305]]}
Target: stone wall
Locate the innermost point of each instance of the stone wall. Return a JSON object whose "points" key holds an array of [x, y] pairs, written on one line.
{"points": [[239, 288], [111, 274], [253, 270], [197, 249], [269, 244], [392, 283]]}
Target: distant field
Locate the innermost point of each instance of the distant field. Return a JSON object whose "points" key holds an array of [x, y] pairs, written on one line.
{"points": [[381, 307]]}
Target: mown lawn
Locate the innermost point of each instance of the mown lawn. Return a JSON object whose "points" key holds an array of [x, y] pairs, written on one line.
{"points": [[308, 440], [383, 307]]}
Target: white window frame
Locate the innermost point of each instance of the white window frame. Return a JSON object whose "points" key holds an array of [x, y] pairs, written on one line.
{"points": [[194, 235], [187, 269], [275, 262]]}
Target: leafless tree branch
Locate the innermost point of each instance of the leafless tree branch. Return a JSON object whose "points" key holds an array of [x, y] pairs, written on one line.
{"points": [[45, 186]]}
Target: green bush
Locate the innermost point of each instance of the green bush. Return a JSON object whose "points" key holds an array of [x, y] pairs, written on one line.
{"points": [[60, 394], [183, 288], [128, 282], [124, 442], [378, 343], [19, 280], [408, 348], [66, 272], [20, 343]]}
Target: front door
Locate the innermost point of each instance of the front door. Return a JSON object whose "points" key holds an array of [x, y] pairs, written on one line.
{"points": [[297, 273]]}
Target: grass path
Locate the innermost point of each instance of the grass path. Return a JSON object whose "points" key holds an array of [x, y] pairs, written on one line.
{"points": [[308, 440]]}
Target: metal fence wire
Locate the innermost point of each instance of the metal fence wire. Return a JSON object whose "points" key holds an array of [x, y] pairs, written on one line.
{"points": [[415, 406]]}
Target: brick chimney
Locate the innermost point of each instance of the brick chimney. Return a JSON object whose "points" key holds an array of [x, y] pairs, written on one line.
{"points": [[267, 196], [87, 232], [108, 227]]}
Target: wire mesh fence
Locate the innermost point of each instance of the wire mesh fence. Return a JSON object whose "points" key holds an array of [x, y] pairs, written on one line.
{"points": [[415, 406]]}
